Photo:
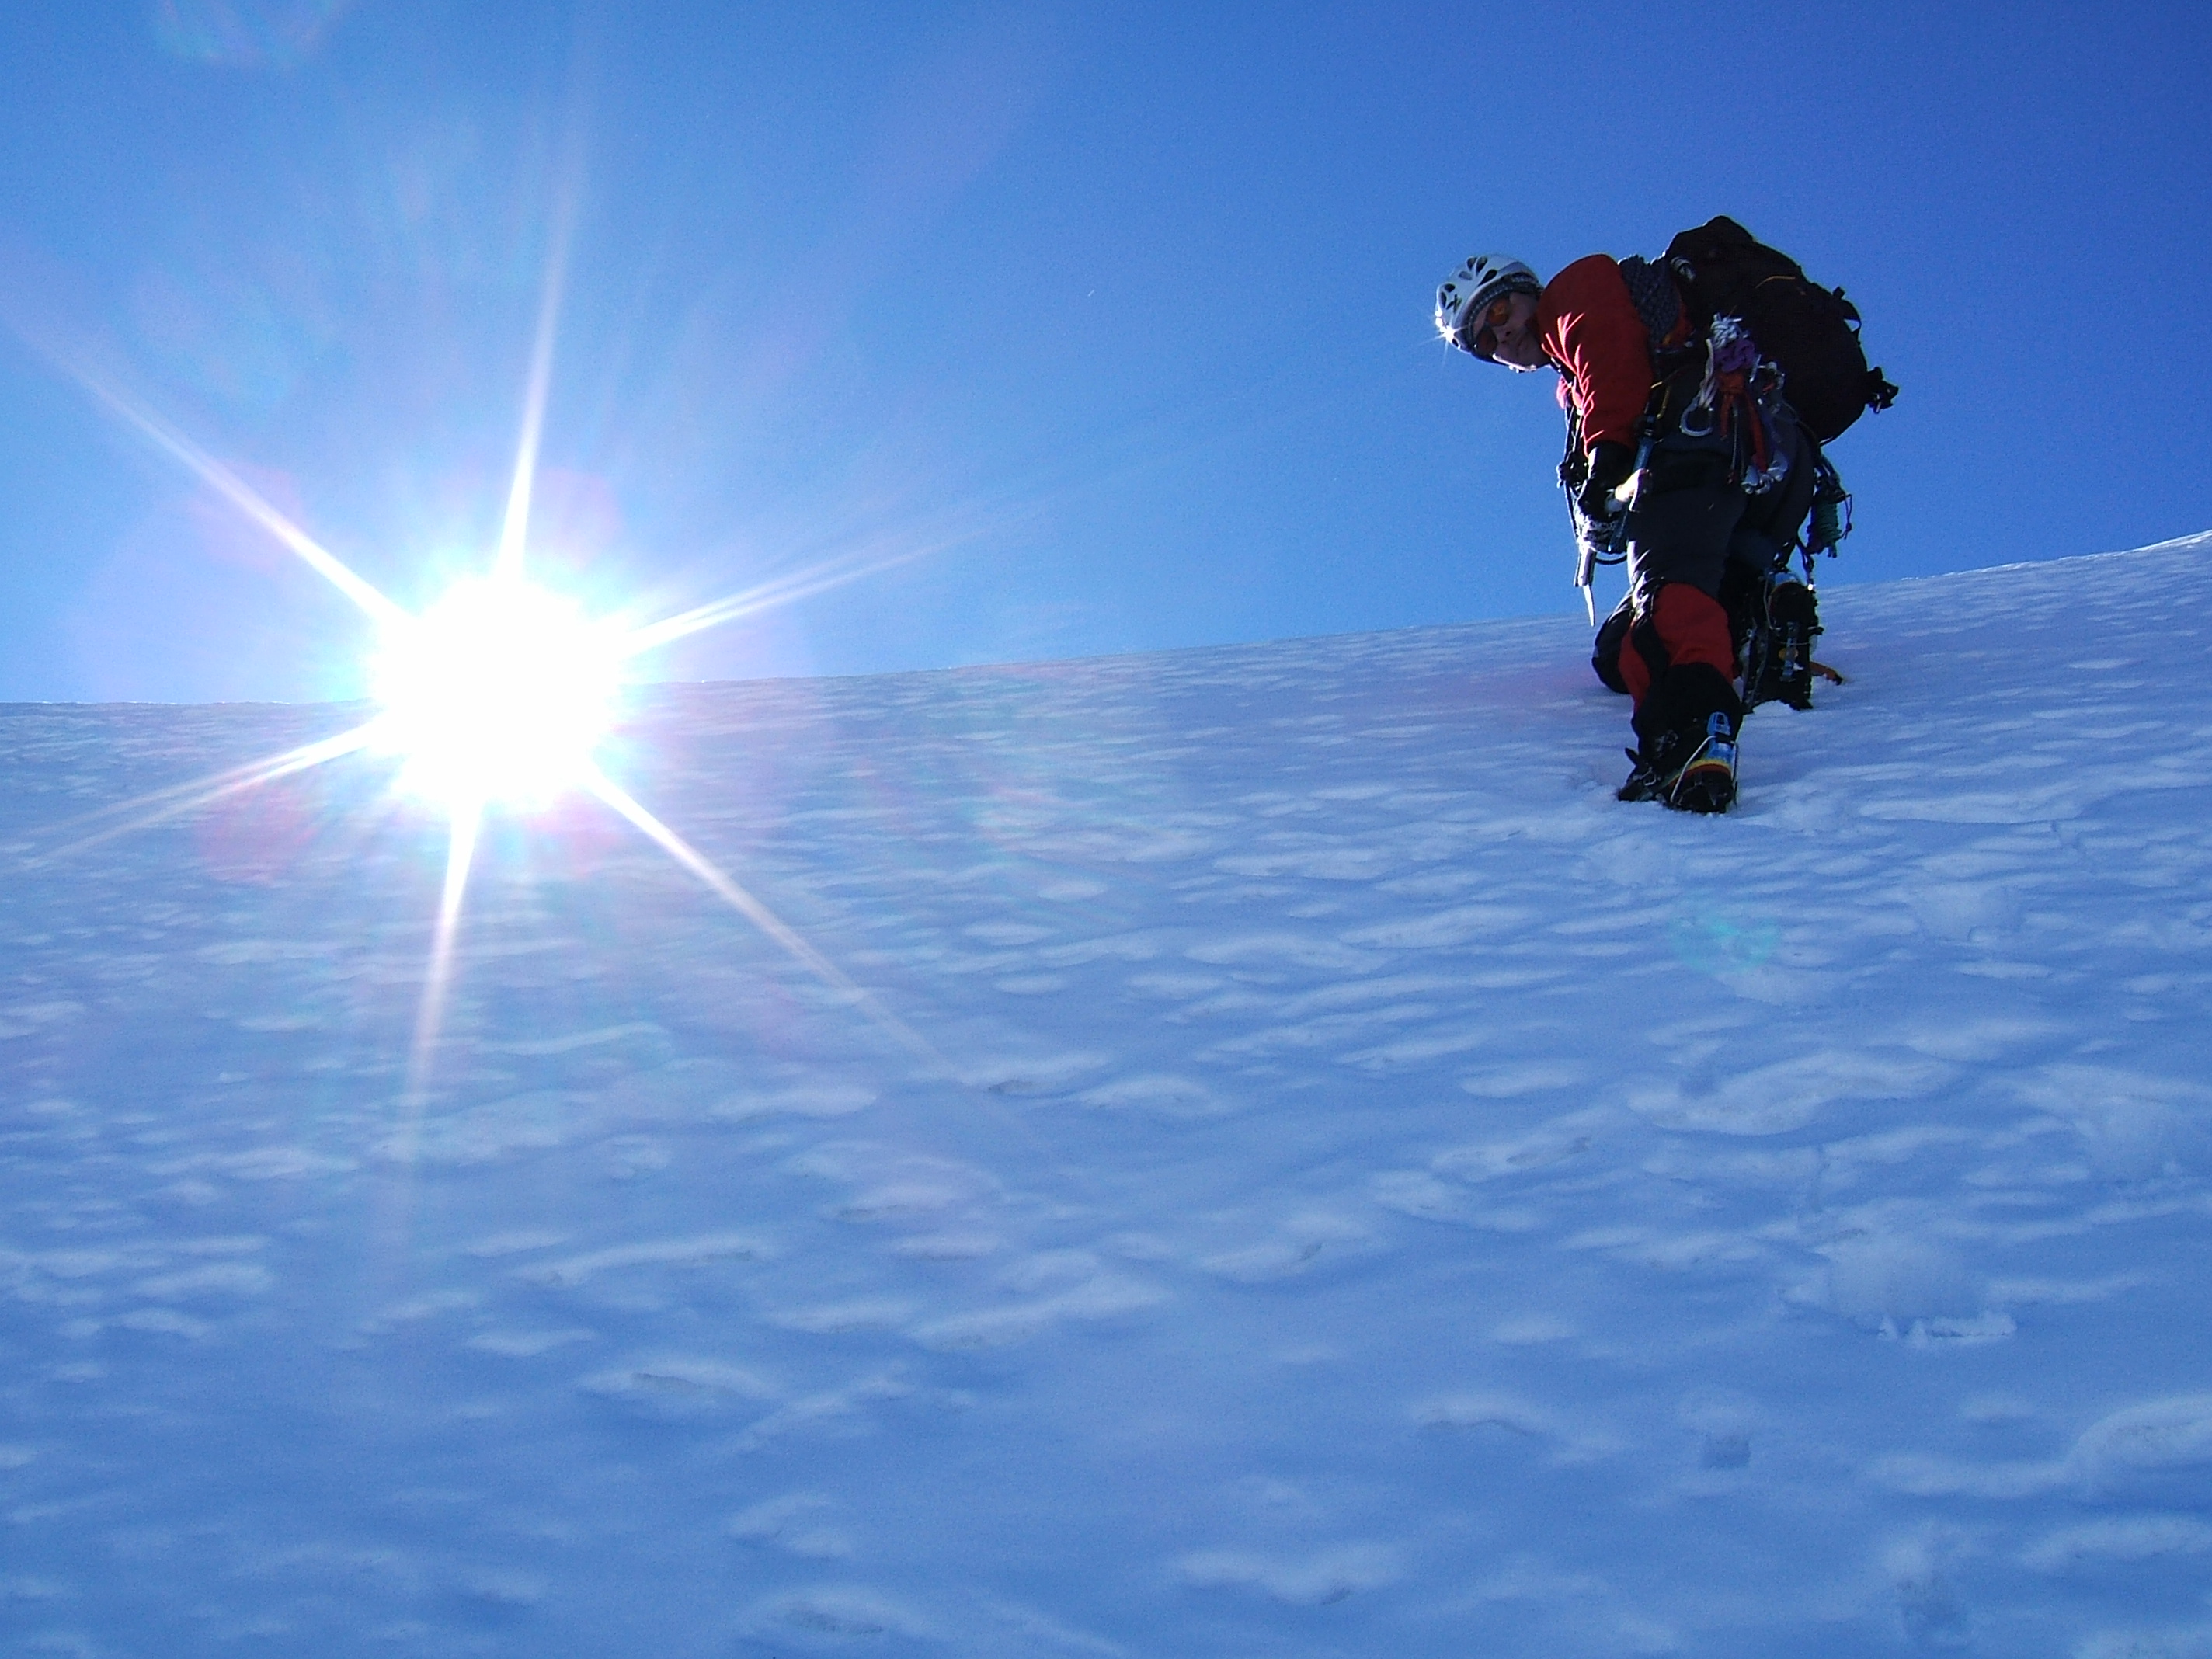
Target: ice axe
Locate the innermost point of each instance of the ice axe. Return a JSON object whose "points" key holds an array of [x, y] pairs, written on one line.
{"points": [[1607, 544]]}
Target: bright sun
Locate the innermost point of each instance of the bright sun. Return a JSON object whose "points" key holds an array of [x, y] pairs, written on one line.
{"points": [[500, 692]]}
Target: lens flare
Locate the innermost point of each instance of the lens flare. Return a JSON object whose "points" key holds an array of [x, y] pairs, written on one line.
{"points": [[500, 692]]}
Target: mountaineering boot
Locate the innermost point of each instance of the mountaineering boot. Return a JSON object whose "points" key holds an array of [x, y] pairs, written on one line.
{"points": [[1707, 782], [1689, 718], [1689, 771], [1793, 619]]}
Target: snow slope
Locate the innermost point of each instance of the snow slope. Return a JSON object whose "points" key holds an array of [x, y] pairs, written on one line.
{"points": [[1359, 1190]]}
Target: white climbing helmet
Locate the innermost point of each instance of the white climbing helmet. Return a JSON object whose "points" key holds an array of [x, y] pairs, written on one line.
{"points": [[1468, 290]]}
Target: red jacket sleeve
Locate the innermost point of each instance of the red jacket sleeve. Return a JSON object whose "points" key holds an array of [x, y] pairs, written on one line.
{"points": [[1590, 328]]}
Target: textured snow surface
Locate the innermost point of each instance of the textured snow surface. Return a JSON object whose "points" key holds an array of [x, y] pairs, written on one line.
{"points": [[1379, 1196]]}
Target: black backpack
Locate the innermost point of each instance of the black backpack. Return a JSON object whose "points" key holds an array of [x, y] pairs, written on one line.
{"points": [[1809, 332]]}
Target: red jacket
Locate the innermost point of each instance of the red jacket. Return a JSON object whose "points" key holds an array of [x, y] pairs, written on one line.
{"points": [[1589, 327]]}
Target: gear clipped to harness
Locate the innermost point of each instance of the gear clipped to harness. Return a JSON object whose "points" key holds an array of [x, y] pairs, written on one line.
{"points": [[1830, 520]]}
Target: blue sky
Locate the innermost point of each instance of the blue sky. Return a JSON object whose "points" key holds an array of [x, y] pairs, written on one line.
{"points": [[1119, 312]]}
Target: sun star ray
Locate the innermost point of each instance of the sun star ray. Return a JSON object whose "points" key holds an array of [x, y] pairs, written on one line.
{"points": [[430, 1012], [767, 596], [762, 918], [953, 528], [514, 532], [240, 495], [164, 805]]}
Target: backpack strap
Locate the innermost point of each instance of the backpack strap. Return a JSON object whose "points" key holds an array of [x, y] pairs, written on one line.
{"points": [[1658, 302]]}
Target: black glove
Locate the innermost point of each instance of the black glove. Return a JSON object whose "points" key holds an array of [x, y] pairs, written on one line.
{"points": [[1610, 464]]}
